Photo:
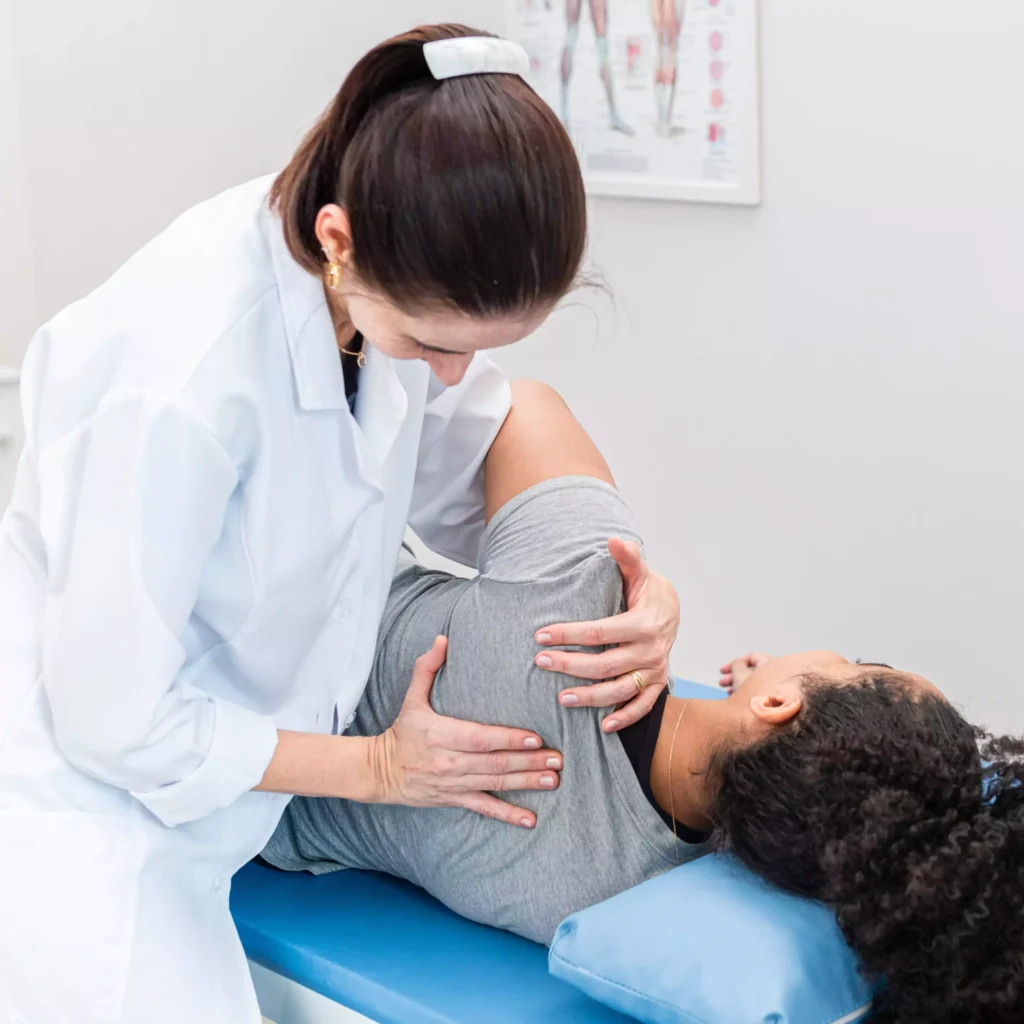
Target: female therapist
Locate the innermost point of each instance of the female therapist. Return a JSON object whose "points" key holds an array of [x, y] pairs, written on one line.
{"points": [[209, 509]]}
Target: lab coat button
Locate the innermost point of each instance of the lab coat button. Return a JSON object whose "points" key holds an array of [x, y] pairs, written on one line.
{"points": [[218, 883], [340, 612]]}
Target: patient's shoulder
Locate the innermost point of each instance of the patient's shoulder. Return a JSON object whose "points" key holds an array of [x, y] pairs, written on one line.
{"points": [[551, 529]]}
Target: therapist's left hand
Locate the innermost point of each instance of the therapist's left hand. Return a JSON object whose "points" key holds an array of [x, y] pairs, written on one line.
{"points": [[643, 636]]}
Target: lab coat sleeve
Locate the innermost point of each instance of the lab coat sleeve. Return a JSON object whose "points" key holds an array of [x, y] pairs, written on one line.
{"points": [[149, 507], [459, 425]]}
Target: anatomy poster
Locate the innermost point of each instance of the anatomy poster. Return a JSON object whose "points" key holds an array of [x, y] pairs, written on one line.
{"points": [[660, 96]]}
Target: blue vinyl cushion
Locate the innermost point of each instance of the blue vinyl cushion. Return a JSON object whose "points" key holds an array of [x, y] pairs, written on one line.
{"points": [[388, 950], [710, 943]]}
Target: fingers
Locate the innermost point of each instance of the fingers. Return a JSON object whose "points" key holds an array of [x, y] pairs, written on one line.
{"points": [[728, 667], [632, 712], [600, 695], [605, 695], [504, 762], [616, 629], [613, 693], [625, 628], [734, 673], [491, 807], [471, 737], [424, 672], [607, 665], [509, 783], [638, 639], [630, 561], [728, 674], [753, 660]]}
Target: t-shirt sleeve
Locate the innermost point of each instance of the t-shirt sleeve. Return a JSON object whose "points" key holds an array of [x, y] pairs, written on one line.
{"points": [[549, 530]]}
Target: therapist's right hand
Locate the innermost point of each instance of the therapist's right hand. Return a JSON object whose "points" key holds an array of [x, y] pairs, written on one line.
{"points": [[428, 760]]}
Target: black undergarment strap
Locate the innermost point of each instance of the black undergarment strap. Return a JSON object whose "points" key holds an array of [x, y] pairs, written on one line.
{"points": [[639, 741], [350, 368]]}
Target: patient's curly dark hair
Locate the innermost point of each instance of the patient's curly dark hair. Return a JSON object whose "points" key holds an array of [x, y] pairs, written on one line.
{"points": [[887, 805]]}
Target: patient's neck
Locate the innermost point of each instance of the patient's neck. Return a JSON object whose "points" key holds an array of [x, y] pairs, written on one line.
{"points": [[705, 723]]}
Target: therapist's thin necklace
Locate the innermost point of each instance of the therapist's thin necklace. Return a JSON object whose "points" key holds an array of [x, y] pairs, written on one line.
{"points": [[671, 791], [335, 273], [359, 353]]}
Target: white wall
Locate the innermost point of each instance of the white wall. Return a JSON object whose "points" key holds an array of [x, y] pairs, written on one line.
{"points": [[133, 110], [813, 405], [17, 287]]}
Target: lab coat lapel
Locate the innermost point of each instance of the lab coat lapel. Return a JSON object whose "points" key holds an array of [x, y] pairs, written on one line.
{"points": [[319, 381], [382, 404]]}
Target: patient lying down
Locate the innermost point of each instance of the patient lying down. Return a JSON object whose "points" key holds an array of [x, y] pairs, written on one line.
{"points": [[851, 783]]}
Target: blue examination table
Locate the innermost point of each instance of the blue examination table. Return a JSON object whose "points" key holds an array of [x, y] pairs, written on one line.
{"points": [[391, 952]]}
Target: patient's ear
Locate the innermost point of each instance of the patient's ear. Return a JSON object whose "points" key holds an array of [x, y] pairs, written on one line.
{"points": [[776, 709]]}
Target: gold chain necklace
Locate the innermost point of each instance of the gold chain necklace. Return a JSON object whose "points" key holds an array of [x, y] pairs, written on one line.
{"points": [[671, 792], [358, 353]]}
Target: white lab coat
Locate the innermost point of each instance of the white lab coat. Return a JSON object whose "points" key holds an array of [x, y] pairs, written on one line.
{"points": [[197, 554]]}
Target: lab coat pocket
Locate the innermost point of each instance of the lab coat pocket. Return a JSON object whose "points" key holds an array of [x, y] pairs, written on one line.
{"points": [[67, 893]]}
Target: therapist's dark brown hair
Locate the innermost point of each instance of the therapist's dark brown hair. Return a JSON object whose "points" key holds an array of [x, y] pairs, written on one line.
{"points": [[461, 193]]}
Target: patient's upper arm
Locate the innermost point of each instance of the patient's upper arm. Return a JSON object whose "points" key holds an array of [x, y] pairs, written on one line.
{"points": [[540, 440]]}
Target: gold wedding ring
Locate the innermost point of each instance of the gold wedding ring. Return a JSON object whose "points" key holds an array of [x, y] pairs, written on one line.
{"points": [[639, 681]]}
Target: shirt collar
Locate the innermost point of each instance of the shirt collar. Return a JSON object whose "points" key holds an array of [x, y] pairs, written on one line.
{"points": [[383, 400], [319, 380]]}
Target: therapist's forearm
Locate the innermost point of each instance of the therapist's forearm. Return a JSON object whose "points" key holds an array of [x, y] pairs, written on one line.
{"points": [[311, 764]]}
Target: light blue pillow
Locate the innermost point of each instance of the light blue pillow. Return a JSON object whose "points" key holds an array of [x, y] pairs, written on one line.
{"points": [[711, 943]]}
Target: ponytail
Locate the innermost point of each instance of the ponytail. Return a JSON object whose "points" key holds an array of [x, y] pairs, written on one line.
{"points": [[311, 179], [464, 192]]}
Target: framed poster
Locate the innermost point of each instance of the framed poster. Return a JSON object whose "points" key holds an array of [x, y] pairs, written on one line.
{"points": [[660, 96]]}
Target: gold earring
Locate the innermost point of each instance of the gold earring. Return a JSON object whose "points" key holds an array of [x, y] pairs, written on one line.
{"points": [[334, 272]]}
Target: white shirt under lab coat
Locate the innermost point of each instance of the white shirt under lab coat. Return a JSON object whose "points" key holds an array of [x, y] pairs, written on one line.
{"points": [[197, 554]]}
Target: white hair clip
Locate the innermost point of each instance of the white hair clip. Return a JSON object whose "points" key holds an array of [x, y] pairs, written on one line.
{"points": [[475, 55]]}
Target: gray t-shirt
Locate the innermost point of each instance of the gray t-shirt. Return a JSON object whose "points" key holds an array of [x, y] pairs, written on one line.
{"points": [[544, 560]]}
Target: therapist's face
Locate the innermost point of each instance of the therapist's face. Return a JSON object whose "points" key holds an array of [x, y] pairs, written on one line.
{"points": [[445, 339]]}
